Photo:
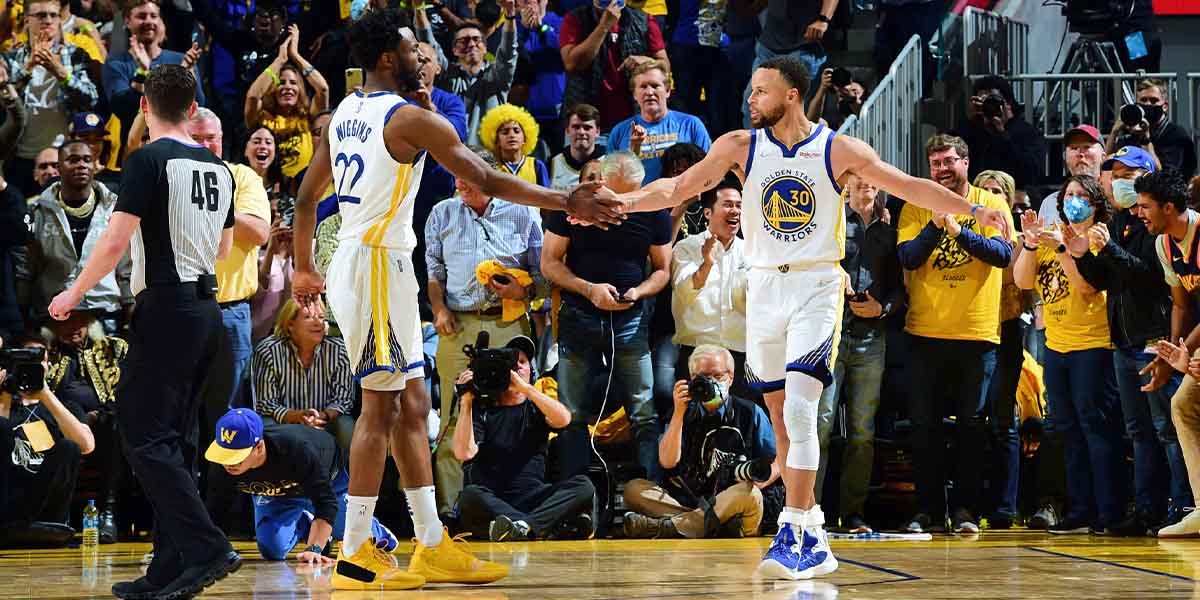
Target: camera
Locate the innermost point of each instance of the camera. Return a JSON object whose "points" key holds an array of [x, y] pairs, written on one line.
{"points": [[758, 470], [705, 389], [1132, 115], [25, 370], [841, 77], [491, 369], [992, 106]]}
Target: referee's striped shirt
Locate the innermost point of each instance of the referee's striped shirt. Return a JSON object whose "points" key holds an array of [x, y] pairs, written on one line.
{"points": [[281, 383]]}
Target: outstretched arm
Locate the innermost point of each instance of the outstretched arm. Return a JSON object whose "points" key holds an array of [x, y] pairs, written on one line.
{"points": [[727, 154], [422, 129]]}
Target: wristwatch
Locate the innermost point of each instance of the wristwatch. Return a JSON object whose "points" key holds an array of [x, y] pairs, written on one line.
{"points": [[822, 18], [315, 549], [1061, 248], [307, 71]]}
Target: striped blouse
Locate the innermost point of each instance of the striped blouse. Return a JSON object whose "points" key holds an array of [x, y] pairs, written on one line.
{"points": [[281, 383]]}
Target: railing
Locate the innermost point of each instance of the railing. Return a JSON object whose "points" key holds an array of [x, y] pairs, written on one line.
{"points": [[890, 119], [993, 45], [1193, 105]]}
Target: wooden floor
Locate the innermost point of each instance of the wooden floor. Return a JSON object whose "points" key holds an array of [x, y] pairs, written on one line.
{"points": [[994, 565]]}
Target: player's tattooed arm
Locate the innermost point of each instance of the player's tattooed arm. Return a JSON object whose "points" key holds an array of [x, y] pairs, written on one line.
{"points": [[727, 154]]}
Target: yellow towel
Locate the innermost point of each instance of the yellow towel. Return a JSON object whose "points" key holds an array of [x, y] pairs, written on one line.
{"points": [[511, 310], [1031, 400]]}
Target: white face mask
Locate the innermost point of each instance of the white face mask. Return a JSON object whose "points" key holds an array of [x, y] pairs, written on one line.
{"points": [[1124, 195]]}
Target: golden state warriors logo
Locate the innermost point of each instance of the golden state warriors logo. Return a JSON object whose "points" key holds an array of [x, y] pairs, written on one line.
{"points": [[789, 206]]}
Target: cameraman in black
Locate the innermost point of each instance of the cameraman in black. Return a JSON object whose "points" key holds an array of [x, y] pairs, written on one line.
{"points": [[1000, 139], [507, 496], [719, 452], [1148, 126], [41, 441], [850, 93]]}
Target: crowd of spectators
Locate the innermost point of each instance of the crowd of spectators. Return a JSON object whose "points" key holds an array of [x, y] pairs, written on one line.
{"points": [[1065, 348]]}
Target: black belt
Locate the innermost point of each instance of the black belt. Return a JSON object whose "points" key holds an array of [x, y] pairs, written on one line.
{"points": [[492, 311], [234, 303]]}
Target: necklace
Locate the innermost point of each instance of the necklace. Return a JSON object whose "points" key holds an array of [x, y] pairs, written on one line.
{"points": [[83, 210]]}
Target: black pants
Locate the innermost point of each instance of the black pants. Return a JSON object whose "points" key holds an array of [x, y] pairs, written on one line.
{"points": [[543, 507], [176, 340], [45, 495], [947, 373]]}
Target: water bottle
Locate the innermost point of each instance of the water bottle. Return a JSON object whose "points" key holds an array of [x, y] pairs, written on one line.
{"points": [[91, 525]]}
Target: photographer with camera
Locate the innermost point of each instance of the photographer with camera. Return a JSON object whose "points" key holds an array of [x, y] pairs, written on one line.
{"points": [[508, 497], [1147, 125], [999, 138], [41, 441], [719, 452], [850, 93]]}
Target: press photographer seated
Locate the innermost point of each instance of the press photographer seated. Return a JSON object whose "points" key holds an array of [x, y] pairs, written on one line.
{"points": [[41, 441], [507, 496], [719, 452]]}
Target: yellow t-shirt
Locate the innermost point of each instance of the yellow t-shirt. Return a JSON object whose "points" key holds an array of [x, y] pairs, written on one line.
{"points": [[654, 8], [293, 142], [953, 295], [1074, 321], [237, 274]]}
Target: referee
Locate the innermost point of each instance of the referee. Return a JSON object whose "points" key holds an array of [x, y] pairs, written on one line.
{"points": [[175, 216]]}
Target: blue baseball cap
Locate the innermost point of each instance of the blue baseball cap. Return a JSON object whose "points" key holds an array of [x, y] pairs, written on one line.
{"points": [[85, 122], [238, 431], [1132, 157]]}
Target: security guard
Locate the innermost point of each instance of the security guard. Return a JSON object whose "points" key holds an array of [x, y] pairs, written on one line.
{"points": [[175, 216]]}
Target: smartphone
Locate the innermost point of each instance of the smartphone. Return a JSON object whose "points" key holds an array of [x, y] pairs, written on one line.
{"points": [[354, 79], [501, 279], [622, 299]]}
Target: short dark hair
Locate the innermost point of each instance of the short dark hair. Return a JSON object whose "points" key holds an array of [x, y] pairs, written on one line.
{"points": [[995, 82], [467, 24], [709, 198], [1164, 187], [686, 154], [585, 112], [794, 72], [127, 9], [376, 32], [73, 142], [1096, 197], [170, 90], [943, 141]]}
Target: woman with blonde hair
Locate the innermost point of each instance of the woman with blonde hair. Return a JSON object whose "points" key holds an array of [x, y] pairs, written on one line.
{"points": [[511, 134]]}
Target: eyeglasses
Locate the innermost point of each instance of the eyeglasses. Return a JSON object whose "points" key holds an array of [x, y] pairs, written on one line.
{"points": [[945, 163], [468, 40], [43, 16]]}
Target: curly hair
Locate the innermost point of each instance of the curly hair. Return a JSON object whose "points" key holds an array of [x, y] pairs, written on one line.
{"points": [[1165, 187], [489, 127], [1095, 196], [378, 31]]}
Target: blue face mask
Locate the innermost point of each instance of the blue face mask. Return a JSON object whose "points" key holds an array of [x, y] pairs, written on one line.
{"points": [[1077, 209], [357, 8], [1123, 193]]}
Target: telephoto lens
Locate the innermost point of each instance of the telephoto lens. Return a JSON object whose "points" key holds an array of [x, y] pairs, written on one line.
{"points": [[758, 470]]}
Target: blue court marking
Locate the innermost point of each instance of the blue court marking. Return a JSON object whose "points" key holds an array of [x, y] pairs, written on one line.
{"points": [[901, 574], [1112, 564]]}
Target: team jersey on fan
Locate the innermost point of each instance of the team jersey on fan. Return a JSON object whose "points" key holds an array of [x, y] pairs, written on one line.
{"points": [[792, 208], [376, 204], [1181, 260]]}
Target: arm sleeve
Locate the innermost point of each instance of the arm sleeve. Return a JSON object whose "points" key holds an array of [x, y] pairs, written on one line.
{"points": [[81, 92], [543, 175], [123, 100], [317, 486], [896, 296], [995, 251], [502, 71], [139, 183], [426, 35], [434, 265], [684, 264], [915, 252], [229, 219], [1095, 269]]}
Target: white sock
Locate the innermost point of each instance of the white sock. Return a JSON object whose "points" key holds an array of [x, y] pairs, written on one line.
{"points": [[423, 508], [359, 512]]}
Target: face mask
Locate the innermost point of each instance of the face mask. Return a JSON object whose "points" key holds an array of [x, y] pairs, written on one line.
{"points": [[357, 8], [1154, 112], [1124, 195], [1077, 209]]}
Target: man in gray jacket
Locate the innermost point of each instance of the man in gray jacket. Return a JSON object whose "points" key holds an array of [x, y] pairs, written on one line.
{"points": [[68, 218], [481, 84]]}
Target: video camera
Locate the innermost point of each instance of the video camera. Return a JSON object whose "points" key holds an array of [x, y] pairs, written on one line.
{"points": [[1096, 17], [491, 369], [24, 368]]}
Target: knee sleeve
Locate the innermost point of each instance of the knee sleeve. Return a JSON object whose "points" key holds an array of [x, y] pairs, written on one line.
{"points": [[802, 396]]}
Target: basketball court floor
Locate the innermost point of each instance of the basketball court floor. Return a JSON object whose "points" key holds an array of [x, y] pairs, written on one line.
{"points": [[994, 565]]}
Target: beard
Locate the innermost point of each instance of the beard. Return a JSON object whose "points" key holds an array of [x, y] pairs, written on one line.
{"points": [[767, 118], [409, 81]]}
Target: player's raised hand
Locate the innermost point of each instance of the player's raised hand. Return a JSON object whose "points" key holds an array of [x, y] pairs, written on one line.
{"points": [[593, 203], [307, 287]]}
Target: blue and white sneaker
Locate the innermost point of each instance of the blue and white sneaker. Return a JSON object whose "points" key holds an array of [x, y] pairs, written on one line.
{"points": [[384, 538], [789, 558]]}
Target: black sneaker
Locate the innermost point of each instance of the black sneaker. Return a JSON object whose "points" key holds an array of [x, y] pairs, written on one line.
{"points": [[1070, 526], [504, 529], [193, 580], [578, 527], [1000, 522], [1045, 518], [138, 589], [964, 522], [854, 523], [923, 523], [1135, 525]]}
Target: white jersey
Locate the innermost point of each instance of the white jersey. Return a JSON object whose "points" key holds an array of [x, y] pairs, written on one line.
{"points": [[792, 211], [375, 193]]}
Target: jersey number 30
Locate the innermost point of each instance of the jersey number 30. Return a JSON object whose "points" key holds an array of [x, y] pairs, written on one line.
{"points": [[345, 192], [205, 195]]}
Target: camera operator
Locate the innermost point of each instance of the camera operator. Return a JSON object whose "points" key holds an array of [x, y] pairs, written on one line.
{"points": [[850, 92], [507, 496], [41, 440], [998, 137], [719, 451], [1148, 126]]}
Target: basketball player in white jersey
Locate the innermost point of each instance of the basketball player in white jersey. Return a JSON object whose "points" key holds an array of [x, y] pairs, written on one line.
{"points": [[373, 153], [794, 223]]}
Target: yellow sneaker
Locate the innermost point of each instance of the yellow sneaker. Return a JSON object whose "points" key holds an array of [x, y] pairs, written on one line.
{"points": [[452, 562], [372, 569]]}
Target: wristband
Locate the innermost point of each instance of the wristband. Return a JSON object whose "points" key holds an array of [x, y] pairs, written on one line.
{"points": [[1026, 246], [315, 549], [271, 73], [974, 208], [67, 79], [307, 71], [823, 18]]}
